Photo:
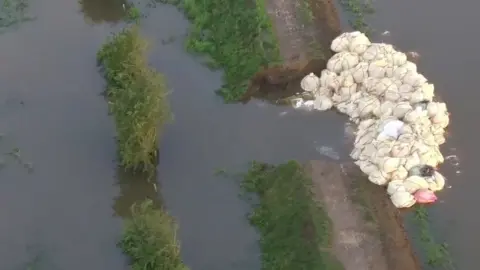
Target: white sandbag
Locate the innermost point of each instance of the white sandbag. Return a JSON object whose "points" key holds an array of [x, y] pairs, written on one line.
{"points": [[388, 164], [360, 72], [412, 160], [368, 152], [428, 91], [440, 139], [414, 115], [401, 150], [358, 43], [367, 138], [389, 71], [438, 182], [392, 94], [366, 105], [373, 52], [405, 88], [330, 79], [365, 124], [382, 85], [310, 83], [401, 109], [406, 129], [402, 199], [385, 109], [342, 61], [384, 148], [432, 109], [414, 79], [400, 174], [394, 186], [399, 58], [322, 103], [355, 154], [414, 183], [324, 92], [367, 167], [341, 43], [376, 69], [377, 178], [441, 120]]}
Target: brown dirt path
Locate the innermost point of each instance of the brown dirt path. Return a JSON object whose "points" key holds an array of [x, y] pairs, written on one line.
{"points": [[367, 229]]}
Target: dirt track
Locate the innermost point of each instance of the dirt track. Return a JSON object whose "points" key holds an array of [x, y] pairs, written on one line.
{"points": [[367, 229]]}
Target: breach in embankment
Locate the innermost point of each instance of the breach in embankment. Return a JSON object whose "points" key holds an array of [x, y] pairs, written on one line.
{"points": [[400, 126]]}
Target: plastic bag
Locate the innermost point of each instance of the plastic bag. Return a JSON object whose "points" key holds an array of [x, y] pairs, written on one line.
{"points": [[425, 196], [391, 129], [438, 182]]}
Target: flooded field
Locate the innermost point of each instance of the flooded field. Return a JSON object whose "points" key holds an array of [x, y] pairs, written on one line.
{"points": [[60, 189]]}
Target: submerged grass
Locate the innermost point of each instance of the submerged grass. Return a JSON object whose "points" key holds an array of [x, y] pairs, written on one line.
{"points": [[236, 35], [437, 254], [137, 96], [357, 11], [13, 12], [295, 232], [149, 239]]}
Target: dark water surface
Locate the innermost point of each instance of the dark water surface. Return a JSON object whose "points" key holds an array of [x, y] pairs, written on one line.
{"points": [[444, 35], [61, 198]]}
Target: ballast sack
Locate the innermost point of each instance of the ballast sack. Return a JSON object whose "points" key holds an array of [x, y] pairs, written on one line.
{"points": [[341, 43], [310, 83], [358, 43], [330, 79]]}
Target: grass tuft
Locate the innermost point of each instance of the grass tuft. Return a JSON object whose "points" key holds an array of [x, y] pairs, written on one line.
{"points": [[137, 96], [295, 232], [437, 254], [149, 239], [236, 35]]}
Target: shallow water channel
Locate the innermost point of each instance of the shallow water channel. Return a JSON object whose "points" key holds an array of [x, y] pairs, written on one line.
{"points": [[60, 192]]}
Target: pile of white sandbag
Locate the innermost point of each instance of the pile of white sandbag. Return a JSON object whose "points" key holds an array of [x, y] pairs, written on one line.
{"points": [[400, 127]]}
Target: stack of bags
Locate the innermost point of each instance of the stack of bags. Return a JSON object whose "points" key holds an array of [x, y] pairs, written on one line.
{"points": [[400, 127]]}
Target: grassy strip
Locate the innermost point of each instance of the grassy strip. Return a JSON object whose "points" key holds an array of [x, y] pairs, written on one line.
{"points": [[137, 98], [357, 10], [437, 254], [238, 37], [149, 239], [295, 232]]}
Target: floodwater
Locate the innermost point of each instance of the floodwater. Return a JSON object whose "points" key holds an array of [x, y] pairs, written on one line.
{"points": [[443, 35], [60, 193]]}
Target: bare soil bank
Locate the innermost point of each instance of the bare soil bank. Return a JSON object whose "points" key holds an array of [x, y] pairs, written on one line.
{"points": [[367, 229], [304, 30]]}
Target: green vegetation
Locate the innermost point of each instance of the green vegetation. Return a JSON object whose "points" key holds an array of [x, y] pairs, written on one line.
{"points": [[149, 239], [13, 12], [295, 232], [358, 10], [238, 37], [437, 254], [137, 97], [133, 14]]}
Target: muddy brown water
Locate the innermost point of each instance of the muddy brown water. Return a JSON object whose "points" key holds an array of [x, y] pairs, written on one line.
{"points": [[62, 198]]}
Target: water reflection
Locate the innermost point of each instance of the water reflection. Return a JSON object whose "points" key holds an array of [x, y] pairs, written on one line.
{"points": [[101, 11], [134, 188]]}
